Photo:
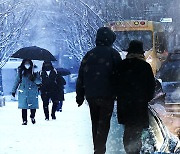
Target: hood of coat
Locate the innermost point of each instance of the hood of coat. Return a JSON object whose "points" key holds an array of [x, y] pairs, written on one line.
{"points": [[105, 37], [47, 66]]}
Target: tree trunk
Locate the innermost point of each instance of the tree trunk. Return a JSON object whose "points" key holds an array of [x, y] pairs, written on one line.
{"points": [[1, 86]]}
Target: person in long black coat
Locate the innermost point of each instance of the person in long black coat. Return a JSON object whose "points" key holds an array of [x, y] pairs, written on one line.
{"points": [[136, 84], [95, 83], [51, 89]]}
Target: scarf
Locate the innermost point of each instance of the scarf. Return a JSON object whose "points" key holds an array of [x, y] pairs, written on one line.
{"points": [[135, 55]]}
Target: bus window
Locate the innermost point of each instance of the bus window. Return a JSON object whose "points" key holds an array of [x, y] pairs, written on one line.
{"points": [[149, 32], [123, 38], [160, 42]]}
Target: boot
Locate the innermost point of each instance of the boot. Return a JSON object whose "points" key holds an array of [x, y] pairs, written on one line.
{"points": [[53, 116], [46, 112], [33, 111], [24, 123], [33, 120]]}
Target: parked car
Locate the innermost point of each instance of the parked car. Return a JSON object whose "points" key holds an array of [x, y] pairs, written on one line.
{"points": [[163, 139], [156, 139], [169, 73]]}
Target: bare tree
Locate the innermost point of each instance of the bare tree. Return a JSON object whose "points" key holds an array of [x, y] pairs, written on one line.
{"points": [[75, 22], [14, 15]]}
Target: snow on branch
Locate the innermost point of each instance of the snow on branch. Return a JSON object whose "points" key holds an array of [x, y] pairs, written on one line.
{"points": [[13, 17]]}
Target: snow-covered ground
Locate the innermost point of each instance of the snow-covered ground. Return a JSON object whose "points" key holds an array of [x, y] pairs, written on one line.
{"points": [[70, 133]]}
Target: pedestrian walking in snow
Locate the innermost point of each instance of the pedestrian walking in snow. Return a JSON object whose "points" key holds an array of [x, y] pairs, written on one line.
{"points": [[27, 84], [96, 83], [136, 86], [51, 89], [61, 93]]}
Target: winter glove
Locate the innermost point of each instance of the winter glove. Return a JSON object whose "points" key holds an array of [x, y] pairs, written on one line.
{"points": [[13, 94], [79, 104], [79, 101]]}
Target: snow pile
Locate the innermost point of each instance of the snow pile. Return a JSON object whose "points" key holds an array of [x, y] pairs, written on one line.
{"points": [[148, 141]]}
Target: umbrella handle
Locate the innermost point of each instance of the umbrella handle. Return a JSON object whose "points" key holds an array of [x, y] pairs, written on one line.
{"points": [[32, 69]]}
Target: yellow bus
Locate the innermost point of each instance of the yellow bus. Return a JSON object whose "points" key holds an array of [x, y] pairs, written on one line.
{"points": [[151, 33]]}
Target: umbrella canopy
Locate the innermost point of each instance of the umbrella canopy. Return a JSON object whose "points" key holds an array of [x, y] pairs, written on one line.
{"points": [[63, 71], [34, 53]]}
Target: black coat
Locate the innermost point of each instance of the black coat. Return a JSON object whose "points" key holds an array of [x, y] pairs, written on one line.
{"points": [[54, 84], [136, 86], [95, 74], [95, 78]]}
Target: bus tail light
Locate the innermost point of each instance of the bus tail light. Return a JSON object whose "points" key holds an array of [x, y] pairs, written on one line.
{"points": [[142, 23]]}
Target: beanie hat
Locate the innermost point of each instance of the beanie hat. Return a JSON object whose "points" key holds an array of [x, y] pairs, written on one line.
{"points": [[135, 46]]}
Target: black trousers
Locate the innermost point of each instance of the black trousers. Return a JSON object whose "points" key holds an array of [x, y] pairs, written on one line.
{"points": [[132, 138], [133, 132], [24, 114], [46, 97], [101, 112]]}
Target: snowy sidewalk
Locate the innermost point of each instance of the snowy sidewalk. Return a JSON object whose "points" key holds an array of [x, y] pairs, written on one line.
{"points": [[70, 133]]}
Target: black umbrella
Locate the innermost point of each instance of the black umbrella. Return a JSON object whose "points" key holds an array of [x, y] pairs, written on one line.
{"points": [[34, 53], [63, 71]]}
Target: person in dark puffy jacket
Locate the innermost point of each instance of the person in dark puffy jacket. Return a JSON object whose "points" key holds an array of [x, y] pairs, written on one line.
{"points": [[96, 83], [136, 86], [50, 89]]}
